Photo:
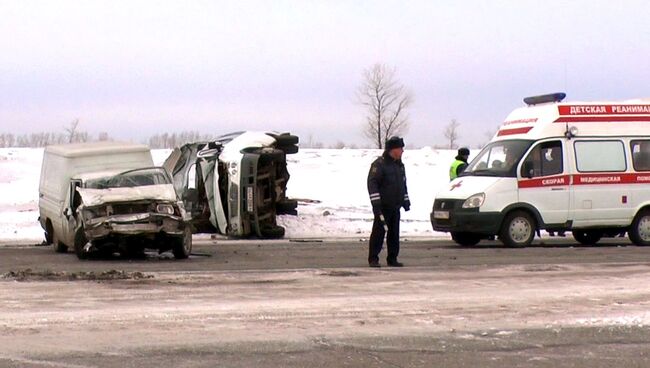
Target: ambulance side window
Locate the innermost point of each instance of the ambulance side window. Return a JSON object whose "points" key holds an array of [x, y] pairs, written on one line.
{"points": [[600, 156], [544, 160], [640, 154]]}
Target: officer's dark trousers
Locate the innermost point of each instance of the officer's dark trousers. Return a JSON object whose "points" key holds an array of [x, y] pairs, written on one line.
{"points": [[391, 215]]}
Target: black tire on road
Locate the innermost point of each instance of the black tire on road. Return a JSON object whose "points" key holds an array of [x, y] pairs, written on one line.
{"points": [[518, 229], [183, 245], [80, 242], [465, 239], [272, 232], [587, 237], [639, 231], [57, 245]]}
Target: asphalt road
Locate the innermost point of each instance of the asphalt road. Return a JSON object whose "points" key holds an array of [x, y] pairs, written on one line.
{"points": [[601, 345]]}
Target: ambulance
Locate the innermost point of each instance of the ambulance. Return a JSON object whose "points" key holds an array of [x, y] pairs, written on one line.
{"points": [[582, 167]]}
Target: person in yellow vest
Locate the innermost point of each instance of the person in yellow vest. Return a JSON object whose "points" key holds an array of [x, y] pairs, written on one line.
{"points": [[459, 164]]}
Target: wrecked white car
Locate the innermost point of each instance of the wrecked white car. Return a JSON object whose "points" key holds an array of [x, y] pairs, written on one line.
{"points": [[131, 211], [235, 185]]}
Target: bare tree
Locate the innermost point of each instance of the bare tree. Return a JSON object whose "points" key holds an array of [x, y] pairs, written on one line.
{"points": [[71, 131], [451, 133], [386, 101]]}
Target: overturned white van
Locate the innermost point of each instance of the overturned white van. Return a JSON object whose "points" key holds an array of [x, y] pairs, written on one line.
{"points": [[236, 184], [107, 196], [581, 166]]}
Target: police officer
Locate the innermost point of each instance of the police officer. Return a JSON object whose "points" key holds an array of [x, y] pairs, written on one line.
{"points": [[388, 194], [459, 164]]}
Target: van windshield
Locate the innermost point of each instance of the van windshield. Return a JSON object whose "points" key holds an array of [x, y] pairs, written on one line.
{"points": [[132, 178], [498, 159]]}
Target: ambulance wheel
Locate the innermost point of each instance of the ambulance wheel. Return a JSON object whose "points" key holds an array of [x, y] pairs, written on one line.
{"points": [[518, 229], [465, 239], [640, 229], [587, 237]]}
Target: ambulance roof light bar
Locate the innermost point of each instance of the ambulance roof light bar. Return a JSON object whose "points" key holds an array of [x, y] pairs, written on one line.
{"points": [[551, 97]]}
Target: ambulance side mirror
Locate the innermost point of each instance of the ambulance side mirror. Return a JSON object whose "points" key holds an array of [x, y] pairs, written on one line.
{"points": [[527, 170]]}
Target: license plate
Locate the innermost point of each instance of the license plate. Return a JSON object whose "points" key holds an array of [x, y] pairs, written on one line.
{"points": [[441, 215]]}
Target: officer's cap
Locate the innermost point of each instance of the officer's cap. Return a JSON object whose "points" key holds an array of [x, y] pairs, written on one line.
{"points": [[394, 142], [464, 151]]}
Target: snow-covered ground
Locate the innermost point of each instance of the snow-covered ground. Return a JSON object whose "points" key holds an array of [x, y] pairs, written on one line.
{"points": [[330, 185]]}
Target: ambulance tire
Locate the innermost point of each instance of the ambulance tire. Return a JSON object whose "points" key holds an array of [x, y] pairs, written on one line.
{"points": [[518, 229], [587, 237], [465, 239], [639, 232]]}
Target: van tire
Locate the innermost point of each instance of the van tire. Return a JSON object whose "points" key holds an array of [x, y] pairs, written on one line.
{"points": [[48, 232], [80, 242], [639, 231], [587, 237], [272, 232], [57, 245], [465, 239], [285, 139], [518, 229], [183, 245], [286, 207]]}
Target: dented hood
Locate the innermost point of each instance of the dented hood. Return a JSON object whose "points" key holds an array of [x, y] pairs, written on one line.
{"points": [[95, 197]]}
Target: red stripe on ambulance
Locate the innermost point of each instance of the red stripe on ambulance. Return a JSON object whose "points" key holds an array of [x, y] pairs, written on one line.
{"points": [[600, 119], [551, 181], [512, 131], [586, 179], [573, 110]]}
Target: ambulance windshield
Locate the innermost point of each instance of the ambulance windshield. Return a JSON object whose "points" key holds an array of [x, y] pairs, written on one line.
{"points": [[498, 159]]}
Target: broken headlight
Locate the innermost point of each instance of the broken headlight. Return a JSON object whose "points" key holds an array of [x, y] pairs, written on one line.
{"points": [[165, 208]]}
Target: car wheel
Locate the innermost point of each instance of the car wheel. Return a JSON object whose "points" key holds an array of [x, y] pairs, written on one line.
{"points": [[286, 207], [639, 232], [272, 232], [518, 229], [183, 246], [289, 150], [285, 139], [57, 245], [80, 242], [466, 239], [587, 237]]}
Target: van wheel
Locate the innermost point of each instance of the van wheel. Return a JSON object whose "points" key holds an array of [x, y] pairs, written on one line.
{"points": [[272, 232], [57, 245], [518, 229], [465, 239], [639, 232], [286, 207], [80, 242], [48, 232], [183, 245], [587, 237]]}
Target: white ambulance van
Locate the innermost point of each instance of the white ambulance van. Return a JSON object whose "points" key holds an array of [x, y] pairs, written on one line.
{"points": [[582, 167]]}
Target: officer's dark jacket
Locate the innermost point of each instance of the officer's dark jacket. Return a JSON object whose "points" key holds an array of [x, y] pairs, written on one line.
{"points": [[387, 182]]}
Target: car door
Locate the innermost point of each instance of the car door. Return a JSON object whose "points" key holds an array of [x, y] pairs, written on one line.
{"points": [[543, 181]]}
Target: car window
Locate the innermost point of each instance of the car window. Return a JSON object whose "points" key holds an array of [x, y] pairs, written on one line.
{"points": [[544, 160], [600, 156]]}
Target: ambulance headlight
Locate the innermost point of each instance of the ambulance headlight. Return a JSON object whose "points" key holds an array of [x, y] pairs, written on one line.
{"points": [[474, 201]]}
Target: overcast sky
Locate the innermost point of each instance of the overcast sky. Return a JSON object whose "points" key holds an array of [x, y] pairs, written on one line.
{"points": [[135, 68]]}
